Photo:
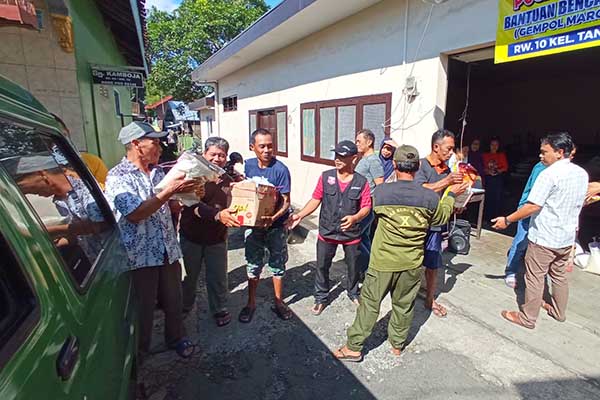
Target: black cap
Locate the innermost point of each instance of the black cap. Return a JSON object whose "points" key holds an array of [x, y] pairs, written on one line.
{"points": [[345, 148]]}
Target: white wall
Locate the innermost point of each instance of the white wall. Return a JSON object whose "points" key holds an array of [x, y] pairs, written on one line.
{"points": [[362, 55], [35, 60], [205, 129]]}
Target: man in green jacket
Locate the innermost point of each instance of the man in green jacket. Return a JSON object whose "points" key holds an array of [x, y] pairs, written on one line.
{"points": [[405, 210]]}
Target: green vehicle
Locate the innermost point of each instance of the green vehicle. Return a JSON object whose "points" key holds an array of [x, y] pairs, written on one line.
{"points": [[67, 327]]}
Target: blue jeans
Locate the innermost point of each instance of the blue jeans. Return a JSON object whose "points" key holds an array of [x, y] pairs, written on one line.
{"points": [[516, 254], [365, 242]]}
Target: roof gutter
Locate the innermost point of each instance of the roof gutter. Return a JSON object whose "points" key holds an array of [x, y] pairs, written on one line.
{"points": [[140, 33]]}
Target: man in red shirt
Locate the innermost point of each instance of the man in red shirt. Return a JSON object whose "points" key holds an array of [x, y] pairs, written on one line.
{"points": [[345, 199]]}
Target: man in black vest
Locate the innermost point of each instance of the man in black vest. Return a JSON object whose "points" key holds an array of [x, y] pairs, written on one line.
{"points": [[345, 199]]}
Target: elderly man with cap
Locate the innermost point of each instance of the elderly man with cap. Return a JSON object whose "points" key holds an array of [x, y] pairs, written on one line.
{"points": [[147, 232], [345, 199], [405, 210]]}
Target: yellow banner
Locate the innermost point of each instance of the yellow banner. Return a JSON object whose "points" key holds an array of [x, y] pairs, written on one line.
{"points": [[533, 28]]}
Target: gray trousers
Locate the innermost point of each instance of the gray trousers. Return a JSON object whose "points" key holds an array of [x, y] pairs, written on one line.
{"points": [[214, 258]]}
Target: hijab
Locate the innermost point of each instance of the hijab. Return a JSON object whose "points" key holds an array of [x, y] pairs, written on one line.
{"points": [[387, 163]]}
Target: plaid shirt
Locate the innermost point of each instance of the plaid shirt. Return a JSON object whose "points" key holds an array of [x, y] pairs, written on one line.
{"points": [[560, 191]]}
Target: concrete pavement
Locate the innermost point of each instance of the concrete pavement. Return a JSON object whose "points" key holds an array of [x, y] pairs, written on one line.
{"points": [[471, 354]]}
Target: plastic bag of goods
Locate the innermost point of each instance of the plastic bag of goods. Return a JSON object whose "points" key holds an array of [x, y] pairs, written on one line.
{"points": [[194, 167], [581, 256], [593, 264]]}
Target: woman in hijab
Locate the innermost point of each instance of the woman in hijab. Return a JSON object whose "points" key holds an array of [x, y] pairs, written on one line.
{"points": [[386, 156]]}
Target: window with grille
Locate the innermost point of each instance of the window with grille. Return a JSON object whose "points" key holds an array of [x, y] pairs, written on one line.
{"points": [[230, 103], [325, 123]]}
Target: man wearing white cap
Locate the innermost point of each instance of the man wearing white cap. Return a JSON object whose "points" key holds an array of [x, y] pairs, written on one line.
{"points": [[148, 234]]}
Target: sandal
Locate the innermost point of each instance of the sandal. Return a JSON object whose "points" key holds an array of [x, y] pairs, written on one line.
{"points": [[282, 311], [438, 310], [317, 309], [396, 352], [341, 355], [184, 348], [550, 311], [246, 314], [222, 318], [515, 318]]}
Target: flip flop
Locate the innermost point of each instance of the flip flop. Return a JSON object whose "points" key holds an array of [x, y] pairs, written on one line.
{"points": [[549, 310], [546, 307], [396, 352], [184, 348], [222, 318], [282, 311], [246, 314], [341, 355], [438, 310], [317, 309], [513, 316]]}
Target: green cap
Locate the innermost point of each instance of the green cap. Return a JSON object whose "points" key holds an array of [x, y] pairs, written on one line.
{"points": [[406, 153]]}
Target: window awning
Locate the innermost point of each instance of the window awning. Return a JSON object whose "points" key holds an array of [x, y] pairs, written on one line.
{"points": [[19, 12]]}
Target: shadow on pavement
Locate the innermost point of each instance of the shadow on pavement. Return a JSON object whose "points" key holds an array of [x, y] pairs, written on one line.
{"points": [[380, 334], [267, 358], [452, 269], [584, 388]]}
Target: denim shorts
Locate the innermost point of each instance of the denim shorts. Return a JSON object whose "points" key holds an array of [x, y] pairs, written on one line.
{"points": [[258, 243], [433, 250]]}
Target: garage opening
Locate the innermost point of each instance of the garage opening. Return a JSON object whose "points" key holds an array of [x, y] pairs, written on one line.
{"points": [[519, 103]]}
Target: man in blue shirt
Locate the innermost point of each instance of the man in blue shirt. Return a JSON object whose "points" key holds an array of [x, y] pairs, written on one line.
{"points": [[516, 254], [272, 235]]}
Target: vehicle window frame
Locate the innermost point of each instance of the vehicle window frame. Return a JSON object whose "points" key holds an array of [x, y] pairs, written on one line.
{"points": [[23, 332], [90, 182]]}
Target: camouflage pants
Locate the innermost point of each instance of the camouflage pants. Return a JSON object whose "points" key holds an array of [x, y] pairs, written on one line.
{"points": [[258, 242]]}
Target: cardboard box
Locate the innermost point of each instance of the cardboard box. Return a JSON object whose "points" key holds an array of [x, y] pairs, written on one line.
{"points": [[251, 202]]}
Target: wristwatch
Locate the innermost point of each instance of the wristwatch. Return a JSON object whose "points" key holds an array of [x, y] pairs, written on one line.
{"points": [[506, 221]]}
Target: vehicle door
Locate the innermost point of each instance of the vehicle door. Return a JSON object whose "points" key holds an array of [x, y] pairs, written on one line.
{"points": [[81, 262]]}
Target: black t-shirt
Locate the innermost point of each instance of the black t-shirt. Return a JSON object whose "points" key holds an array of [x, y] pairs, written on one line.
{"points": [[427, 173]]}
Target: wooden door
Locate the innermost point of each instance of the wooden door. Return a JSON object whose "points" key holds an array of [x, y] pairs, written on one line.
{"points": [[268, 120]]}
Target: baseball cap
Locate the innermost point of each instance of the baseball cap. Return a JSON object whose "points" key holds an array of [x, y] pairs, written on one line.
{"points": [[405, 153], [23, 165], [345, 148], [137, 130]]}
